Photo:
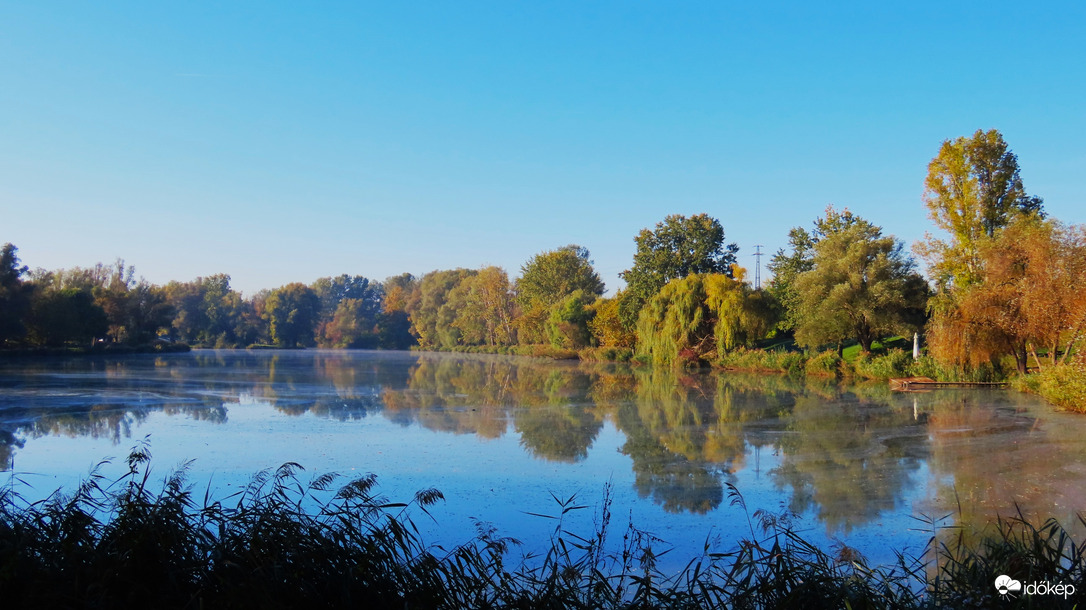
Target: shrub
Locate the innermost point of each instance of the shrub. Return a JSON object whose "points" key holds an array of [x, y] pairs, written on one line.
{"points": [[825, 364], [605, 354], [1063, 385], [895, 363], [743, 359]]}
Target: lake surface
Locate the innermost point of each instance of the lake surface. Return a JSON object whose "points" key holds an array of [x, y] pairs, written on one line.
{"points": [[503, 437]]}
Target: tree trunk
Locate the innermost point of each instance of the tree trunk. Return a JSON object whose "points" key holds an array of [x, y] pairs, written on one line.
{"points": [[1020, 359], [1035, 358]]}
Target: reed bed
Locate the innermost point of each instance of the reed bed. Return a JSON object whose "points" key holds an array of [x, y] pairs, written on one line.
{"points": [[282, 543]]}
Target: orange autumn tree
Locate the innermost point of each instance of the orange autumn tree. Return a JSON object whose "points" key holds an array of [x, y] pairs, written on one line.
{"points": [[1029, 298]]}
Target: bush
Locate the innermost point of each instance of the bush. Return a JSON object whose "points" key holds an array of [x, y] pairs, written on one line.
{"points": [[895, 363], [782, 361], [605, 354], [927, 366], [1062, 385], [825, 364]]}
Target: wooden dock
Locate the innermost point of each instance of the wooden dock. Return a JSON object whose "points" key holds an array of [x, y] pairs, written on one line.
{"points": [[915, 384]]}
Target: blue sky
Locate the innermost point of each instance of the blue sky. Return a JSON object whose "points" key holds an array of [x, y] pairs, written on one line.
{"points": [[283, 142]]}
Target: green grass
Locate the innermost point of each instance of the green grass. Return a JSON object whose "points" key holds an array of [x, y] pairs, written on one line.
{"points": [[282, 543], [1062, 385]]}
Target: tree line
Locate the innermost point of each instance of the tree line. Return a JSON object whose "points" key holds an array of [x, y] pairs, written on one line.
{"points": [[1002, 284]]}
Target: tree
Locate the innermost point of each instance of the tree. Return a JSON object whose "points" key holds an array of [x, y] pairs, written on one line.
{"points": [[394, 325], [567, 324], [332, 292], [146, 312], [65, 316], [480, 309], [425, 308], [744, 315], [550, 277], [206, 311], [1029, 295], [292, 312], [14, 295], [785, 267], [606, 323], [677, 247], [861, 285], [698, 317], [973, 189], [352, 326]]}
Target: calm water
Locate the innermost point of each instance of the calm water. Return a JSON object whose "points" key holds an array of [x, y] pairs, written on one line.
{"points": [[498, 436]]}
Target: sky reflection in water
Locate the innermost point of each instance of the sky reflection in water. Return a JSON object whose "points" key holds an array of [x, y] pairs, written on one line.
{"points": [[500, 435]]}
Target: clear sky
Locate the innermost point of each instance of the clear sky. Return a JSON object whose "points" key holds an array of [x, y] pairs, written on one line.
{"points": [[283, 142]]}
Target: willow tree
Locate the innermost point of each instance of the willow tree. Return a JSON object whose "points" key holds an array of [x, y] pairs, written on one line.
{"points": [[861, 286], [677, 247], [1028, 298], [698, 317]]}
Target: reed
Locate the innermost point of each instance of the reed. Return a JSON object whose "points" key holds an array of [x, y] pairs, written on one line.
{"points": [[282, 543]]}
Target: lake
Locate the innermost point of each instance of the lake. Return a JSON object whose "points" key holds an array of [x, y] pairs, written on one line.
{"points": [[505, 439]]}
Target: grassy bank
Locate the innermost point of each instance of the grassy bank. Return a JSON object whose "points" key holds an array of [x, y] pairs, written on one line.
{"points": [[1062, 385], [882, 363], [284, 544], [103, 349]]}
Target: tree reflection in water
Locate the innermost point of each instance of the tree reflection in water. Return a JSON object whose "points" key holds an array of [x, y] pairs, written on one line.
{"points": [[847, 455]]}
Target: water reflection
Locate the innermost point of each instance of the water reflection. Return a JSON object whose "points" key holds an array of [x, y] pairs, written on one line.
{"points": [[847, 456]]}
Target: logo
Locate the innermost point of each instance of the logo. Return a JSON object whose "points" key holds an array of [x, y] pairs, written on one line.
{"points": [[1007, 586]]}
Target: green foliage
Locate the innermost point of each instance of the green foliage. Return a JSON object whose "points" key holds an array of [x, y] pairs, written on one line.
{"points": [[825, 364], [546, 279], [567, 325], [928, 366], [861, 286], [427, 320], [743, 315], [60, 317], [207, 312], [353, 324], [777, 360], [676, 326], [479, 309], [894, 363], [785, 267], [972, 190], [607, 325], [1063, 385], [394, 323], [292, 313], [14, 295], [677, 247], [700, 317], [605, 354]]}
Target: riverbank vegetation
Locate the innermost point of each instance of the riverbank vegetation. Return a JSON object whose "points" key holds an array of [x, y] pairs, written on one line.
{"points": [[285, 543], [1002, 296]]}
